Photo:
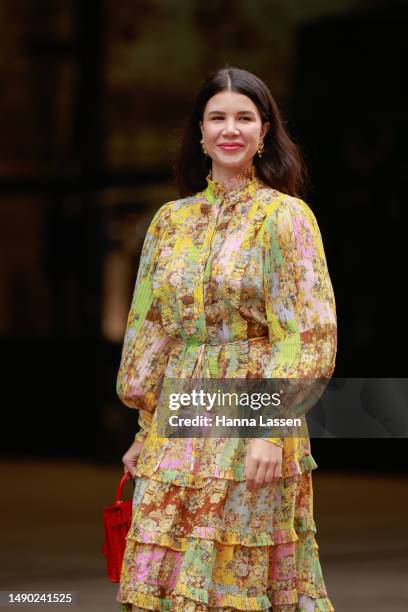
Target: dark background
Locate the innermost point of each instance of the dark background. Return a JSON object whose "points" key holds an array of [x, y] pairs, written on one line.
{"points": [[93, 97]]}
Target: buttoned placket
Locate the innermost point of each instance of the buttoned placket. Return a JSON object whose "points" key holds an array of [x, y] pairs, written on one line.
{"points": [[220, 203], [218, 207]]}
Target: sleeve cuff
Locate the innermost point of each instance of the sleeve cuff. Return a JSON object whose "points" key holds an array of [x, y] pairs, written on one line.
{"points": [[277, 441], [144, 421], [140, 436]]}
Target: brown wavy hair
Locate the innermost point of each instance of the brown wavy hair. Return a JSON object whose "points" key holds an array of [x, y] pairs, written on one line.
{"points": [[281, 165]]}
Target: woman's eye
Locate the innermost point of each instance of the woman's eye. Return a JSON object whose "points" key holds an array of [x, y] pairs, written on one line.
{"points": [[240, 118]]}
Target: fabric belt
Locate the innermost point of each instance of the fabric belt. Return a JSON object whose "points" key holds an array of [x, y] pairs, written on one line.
{"points": [[216, 341]]}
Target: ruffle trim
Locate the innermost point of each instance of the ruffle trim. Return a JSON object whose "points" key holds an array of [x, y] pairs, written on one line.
{"points": [[291, 467], [302, 526], [278, 601], [210, 533]]}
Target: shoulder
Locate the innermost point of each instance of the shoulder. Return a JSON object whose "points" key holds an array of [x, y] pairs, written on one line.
{"points": [[162, 212], [174, 206], [160, 217], [279, 204], [177, 211], [285, 211], [288, 220], [188, 202]]}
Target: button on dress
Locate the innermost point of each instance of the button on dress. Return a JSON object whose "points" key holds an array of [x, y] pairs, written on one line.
{"points": [[232, 283]]}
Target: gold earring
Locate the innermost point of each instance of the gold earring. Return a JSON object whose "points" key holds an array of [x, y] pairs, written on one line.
{"points": [[260, 148], [203, 146]]}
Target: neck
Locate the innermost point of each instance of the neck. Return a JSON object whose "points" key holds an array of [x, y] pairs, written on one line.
{"points": [[221, 174]]}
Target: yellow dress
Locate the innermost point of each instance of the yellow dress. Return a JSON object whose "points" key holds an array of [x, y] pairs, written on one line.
{"points": [[232, 283]]}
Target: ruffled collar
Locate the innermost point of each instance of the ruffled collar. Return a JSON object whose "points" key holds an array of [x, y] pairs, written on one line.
{"points": [[233, 185]]}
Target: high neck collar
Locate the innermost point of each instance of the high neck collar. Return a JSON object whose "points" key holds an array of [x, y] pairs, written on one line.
{"points": [[232, 185]]}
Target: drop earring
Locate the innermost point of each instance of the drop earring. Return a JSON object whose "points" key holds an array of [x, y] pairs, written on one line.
{"points": [[260, 148], [203, 146]]}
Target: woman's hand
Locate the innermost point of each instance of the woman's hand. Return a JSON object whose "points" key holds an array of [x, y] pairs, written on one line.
{"points": [[131, 456], [263, 463]]}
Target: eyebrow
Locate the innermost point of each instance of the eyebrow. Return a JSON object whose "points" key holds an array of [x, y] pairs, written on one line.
{"points": [[243, 112]]}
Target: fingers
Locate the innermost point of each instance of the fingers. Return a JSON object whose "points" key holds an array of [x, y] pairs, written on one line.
{"points": [[274, 472], [262, 474], [257, 482], [263, 464], [129, 467], [129, 463], [270, 474], [130, 458], [251, 475], [126, 465]]}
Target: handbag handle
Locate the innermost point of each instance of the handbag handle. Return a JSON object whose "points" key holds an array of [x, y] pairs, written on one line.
{"points": [[127, 476]]}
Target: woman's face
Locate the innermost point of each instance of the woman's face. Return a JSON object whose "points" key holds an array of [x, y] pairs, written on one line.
{"points": [[232, 118]]}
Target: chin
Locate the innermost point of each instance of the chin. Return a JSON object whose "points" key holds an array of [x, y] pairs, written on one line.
{"points": [[234, 163]]}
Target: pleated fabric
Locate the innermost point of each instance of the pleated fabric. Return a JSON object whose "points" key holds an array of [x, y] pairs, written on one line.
{"points": [[232, 283], [221, 546]]}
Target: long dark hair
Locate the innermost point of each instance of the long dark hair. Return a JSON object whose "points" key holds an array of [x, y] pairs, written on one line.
{"points": [[281, 165]]}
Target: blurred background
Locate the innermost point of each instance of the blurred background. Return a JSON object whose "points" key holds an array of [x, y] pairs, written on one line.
{"points": [[94, 98]]}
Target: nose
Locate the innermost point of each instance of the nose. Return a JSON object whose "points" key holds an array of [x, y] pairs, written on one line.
{"points": [[230, 126]]}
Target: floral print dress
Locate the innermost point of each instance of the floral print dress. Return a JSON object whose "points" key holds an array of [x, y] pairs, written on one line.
{"points": [[232, 282]]}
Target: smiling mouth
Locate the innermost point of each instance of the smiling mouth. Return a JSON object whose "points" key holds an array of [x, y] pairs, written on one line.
{"points": [[231, 147]]}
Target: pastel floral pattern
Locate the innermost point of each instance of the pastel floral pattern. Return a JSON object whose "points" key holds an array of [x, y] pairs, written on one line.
{"points": [[232, 283]]}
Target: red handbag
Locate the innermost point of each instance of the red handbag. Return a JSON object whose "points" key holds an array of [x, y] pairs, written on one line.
{"points": [[117, 520]]}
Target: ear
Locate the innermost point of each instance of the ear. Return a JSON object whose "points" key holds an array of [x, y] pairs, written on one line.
{"points": [[265, 128]]}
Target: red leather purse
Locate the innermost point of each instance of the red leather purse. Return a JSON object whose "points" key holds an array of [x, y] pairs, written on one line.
{"points": [[117, 520]]}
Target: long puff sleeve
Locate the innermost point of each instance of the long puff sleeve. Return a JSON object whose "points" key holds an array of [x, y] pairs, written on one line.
{"points": [[299, 298], [146, 345]]}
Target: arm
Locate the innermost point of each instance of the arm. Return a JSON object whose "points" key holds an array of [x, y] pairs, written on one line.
{"points": [[146, 345], [299, 298]]}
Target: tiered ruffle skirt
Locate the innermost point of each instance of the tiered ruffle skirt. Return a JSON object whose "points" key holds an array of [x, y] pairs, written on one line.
{"points": [[215, 545]]}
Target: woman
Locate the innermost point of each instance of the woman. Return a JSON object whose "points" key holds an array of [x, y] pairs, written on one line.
{"points": [[232, 283]]}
